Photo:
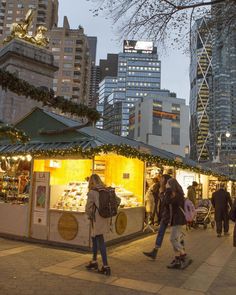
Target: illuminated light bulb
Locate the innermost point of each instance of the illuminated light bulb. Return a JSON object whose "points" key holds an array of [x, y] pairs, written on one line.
{"points": [[3, 157], [15, 158], [29, 158]]}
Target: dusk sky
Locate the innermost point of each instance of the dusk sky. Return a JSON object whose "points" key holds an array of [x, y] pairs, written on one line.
{"points": [[175, 65]]}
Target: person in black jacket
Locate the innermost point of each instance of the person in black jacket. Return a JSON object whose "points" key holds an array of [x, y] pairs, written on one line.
{"points": [[233, 217], [221, 201], [163, 217], [175, 198]]}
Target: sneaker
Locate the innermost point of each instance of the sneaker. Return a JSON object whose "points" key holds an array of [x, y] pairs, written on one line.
{"points": [[175, 263], [92, 266], [226, 234], [105, 270], [151, 254], [185, 262], [218, 235]]}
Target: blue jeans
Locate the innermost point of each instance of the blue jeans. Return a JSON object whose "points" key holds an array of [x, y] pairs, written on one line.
{"points": [[161, 234], [99, 243]]}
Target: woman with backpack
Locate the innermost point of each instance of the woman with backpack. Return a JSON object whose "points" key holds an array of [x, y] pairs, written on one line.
{"points": [[99, 225], [175, 198]]}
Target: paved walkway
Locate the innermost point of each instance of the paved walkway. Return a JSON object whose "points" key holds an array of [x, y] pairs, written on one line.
{"points": [[40, 270]]}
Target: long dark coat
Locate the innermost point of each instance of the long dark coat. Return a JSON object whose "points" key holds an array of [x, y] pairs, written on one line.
{"points": [[234, 214], [221, 201]]}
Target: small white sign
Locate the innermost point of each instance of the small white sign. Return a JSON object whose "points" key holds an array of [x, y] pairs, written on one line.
{"points": [[40, 218]]}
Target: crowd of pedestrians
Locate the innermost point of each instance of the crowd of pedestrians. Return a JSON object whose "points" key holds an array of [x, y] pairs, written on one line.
{"points": [[167, 206]]}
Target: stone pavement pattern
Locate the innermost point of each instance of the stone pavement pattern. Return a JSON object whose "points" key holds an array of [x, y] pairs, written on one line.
{"points": [[42, 270]]}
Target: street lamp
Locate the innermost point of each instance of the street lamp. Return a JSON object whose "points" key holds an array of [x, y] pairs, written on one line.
{"points": [[227, 134], [216, 159]]}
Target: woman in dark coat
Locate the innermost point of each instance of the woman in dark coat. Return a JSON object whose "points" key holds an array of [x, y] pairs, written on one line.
{"points": [[233, 218]]}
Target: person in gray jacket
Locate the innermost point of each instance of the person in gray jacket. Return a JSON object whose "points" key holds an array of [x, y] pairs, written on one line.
{"points": [[99, 225]]}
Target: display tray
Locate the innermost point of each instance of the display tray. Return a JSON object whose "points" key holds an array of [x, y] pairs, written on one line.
{"points": [[66, 211]]}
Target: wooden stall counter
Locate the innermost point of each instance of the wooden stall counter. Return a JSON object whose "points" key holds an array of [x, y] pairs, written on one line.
{"points": [[73, 228], [14, 219]]}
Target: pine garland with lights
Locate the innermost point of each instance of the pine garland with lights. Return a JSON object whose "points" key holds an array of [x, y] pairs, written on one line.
{"points": [[9, 81], [123, 150], [12, 133]]}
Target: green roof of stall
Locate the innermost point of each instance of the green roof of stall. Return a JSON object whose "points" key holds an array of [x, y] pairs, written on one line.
{"points": [[38, 122]]}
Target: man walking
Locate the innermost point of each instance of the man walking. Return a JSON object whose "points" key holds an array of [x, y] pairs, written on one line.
{"points": [[221, 200]]}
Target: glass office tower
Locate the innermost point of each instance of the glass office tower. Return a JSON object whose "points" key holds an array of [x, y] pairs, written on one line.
{"points": [[200, 83], [138, 77]]}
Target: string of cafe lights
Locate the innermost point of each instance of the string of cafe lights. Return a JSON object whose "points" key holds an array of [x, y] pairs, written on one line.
{"points": [[123, 150]]}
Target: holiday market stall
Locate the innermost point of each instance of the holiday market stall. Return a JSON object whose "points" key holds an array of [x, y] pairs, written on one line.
{"points": [[46, 194]]}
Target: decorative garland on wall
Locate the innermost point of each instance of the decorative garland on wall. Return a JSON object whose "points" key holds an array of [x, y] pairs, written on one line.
{"points": [[15, 135], [9, 81], [123, 150]]}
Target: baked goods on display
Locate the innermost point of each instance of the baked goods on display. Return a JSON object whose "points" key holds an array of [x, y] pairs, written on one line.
{"points": [[73, 198], [127, 198]]}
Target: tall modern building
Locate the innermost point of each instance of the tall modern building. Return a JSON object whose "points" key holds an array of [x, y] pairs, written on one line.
{"points": [[200, 83], [223, 104], [138, 77], [162, 122], [46, 13], [213, 90], [70, 48], [94, 74]]}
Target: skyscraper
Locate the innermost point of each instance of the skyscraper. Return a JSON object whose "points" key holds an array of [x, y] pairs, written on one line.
{"points": [[138, 77], [223, 103], [213, 89], [70, 48], [46, 13], [200, 83]]}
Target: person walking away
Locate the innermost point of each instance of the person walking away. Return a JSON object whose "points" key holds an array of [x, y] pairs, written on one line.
{"points": [[233, 218], [149, 204], [163, 217], [221, 201], [192, 194], [155, 191], [175, 198], [99, 225]]}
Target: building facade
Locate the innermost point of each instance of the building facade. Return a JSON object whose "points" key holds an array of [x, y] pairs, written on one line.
{"points": [[30, 63], [109, 66], [213, 90], [162, 121], [223, 103], [200, 86], [138, 77], [46, 14], [70, 49]]}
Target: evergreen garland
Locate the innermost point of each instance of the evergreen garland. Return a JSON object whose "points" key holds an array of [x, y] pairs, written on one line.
{"points": [[123, 150], [12, 133], [9, 81]]}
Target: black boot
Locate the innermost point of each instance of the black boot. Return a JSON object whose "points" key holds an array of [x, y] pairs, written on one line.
{"points": [[151, 254], [105, 270], [175, 263], [92, 266]]}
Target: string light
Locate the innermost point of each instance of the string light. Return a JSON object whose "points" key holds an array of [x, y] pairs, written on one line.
{"points": [[123, 150]]}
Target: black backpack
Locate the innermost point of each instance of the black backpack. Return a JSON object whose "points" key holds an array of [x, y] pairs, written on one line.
{"points": [[108, 202]]}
